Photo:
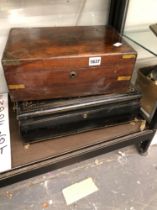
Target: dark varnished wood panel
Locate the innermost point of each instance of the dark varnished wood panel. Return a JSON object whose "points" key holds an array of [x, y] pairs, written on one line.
{"points": [[42, 59], [50, 84], [39, 43]]}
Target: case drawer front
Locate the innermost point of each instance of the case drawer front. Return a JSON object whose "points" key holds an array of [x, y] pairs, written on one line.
{"points": [[45, 127], [36, 84]]}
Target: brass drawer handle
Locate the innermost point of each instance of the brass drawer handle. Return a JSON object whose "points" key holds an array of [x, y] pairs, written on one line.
{"points": [[73, 74]]}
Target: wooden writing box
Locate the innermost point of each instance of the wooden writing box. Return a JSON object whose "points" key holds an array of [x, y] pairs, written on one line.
{"points": [[60, 62]]}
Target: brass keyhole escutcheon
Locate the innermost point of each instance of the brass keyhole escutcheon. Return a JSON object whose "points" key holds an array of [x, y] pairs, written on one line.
{"points": [[85, 115], [73, 74]]}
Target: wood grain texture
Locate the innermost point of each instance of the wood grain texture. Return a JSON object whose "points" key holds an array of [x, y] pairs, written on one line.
{"points": [[42, 60]]}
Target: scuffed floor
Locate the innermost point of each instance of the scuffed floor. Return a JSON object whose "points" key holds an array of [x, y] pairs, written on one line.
{"points": [[125, 181]]}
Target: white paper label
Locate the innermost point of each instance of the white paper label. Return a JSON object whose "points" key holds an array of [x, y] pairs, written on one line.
{"points": [[117, 44], [5, 150], [94, 61], [79, 190]]}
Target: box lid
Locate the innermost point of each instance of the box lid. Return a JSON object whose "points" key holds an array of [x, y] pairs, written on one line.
{"points": [[58, 42]]}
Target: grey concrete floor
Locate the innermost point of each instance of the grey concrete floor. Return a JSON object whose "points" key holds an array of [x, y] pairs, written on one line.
{"points": [[125, 181]]}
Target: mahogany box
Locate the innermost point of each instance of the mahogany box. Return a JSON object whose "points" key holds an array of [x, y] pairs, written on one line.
{"points": [[62, 62]]}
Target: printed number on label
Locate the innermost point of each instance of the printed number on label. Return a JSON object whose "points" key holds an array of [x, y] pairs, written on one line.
{"points": [[94, 61]]}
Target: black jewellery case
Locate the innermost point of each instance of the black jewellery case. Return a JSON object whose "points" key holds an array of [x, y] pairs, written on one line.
{"points": [[41, 120]]}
